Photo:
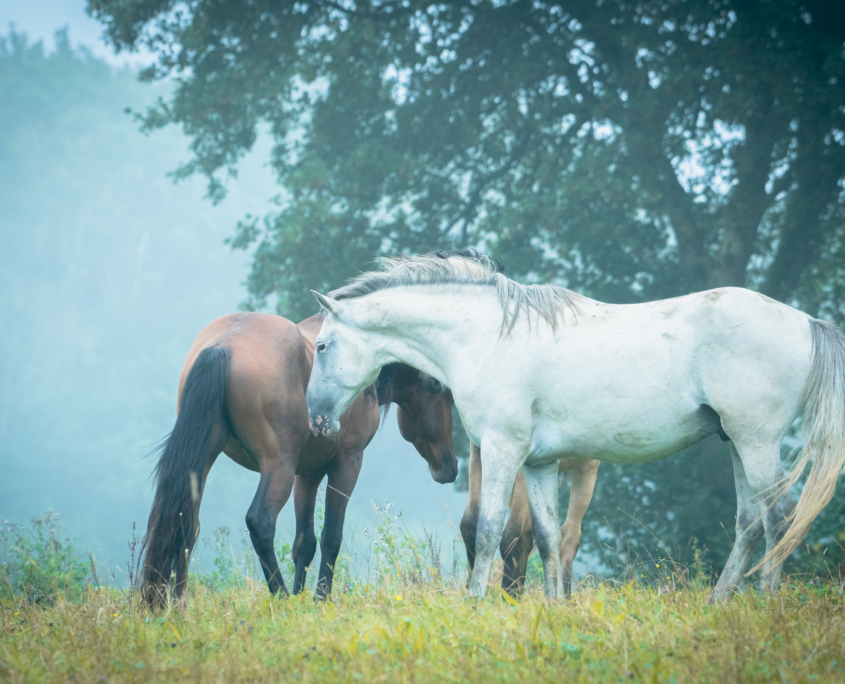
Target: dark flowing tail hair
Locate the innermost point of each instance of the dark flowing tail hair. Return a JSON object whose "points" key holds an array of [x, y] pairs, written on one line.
{"points": [[172, 529]]}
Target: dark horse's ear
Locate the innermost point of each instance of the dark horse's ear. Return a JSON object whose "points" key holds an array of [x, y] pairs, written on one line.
{"points": [[329, 304], [432, 385]]}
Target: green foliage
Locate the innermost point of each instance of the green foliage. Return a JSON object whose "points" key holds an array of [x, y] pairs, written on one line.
{"points": [[230, 567], [403, 557], [38, 564], [630, 150]]}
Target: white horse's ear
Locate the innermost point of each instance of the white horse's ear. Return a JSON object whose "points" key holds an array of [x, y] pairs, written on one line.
{"points": [[329, 304]]}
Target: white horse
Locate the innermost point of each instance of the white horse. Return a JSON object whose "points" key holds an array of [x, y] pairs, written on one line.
{"points": [[540, 373]]}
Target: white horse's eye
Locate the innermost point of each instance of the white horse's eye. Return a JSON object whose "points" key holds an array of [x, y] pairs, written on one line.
{"points": [[321, 347]]}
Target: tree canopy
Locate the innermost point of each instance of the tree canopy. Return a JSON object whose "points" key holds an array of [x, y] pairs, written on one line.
{"points": [[628, 150]]}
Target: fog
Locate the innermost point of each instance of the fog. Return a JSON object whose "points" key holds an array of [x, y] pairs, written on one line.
{"points": [[108, 270]]}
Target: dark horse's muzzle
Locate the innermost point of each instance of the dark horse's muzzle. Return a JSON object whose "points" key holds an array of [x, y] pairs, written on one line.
{"points": [[448, 471]]}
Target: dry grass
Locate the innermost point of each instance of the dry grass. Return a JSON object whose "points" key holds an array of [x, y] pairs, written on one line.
{"points": [[427, 632]]}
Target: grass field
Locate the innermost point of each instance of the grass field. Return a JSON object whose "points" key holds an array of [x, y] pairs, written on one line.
{"points": [[412, 624], [407, 633]]}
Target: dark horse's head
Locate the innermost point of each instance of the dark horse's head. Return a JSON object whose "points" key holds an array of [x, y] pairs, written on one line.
{"points": [[425, 416]]}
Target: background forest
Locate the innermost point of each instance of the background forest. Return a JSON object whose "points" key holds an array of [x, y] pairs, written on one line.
{"points": [[629, 151], [108, 270]]}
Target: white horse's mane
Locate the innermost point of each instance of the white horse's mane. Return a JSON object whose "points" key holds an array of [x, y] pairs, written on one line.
{"points": [[549, 302]]}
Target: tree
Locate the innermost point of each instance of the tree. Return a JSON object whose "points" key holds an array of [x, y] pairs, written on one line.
{"points": [[629, 150]]}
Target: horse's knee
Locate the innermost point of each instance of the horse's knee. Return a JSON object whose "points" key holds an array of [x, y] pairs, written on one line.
{"points": [[304, 547], [262, 530]]}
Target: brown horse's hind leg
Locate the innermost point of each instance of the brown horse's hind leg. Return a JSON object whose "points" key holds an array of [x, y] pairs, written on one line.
{"points": [[580, 494], [305, 543], [517, 540], [343, 474], [273, 492]]}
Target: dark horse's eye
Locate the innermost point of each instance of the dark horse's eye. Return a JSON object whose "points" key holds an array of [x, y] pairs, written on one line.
{"points": [[321, 347]]}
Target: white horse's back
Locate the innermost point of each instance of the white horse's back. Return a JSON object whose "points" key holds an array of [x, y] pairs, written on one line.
{"points": [[639, 382]]}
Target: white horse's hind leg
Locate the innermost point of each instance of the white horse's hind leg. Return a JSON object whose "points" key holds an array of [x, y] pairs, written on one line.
{"points": [[542, 482], [764, 472], [749, 529], [500, 465]]}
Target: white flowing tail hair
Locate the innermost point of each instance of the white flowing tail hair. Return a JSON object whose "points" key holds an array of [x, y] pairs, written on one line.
{"points": [[824, 426]]}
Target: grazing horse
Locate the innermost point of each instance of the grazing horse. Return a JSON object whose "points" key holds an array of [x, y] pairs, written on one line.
{"points": [[242, 392], [517, 542], [539, 373]]}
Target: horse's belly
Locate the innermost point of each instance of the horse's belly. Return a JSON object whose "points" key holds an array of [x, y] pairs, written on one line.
{"points": [[624, 441]]}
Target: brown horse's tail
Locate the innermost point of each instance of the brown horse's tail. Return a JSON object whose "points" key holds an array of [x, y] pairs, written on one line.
{"points": [[824, 425], [172, 528]]}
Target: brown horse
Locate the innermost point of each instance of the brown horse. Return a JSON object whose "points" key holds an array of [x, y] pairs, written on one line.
{"points": [[518, 537], [242, 392]]}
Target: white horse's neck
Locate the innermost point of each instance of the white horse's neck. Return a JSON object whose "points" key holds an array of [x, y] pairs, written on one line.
{"points": [[424, 326]]}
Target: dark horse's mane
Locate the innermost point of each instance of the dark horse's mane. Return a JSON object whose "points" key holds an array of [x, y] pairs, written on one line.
{"points": [[387, 378]]}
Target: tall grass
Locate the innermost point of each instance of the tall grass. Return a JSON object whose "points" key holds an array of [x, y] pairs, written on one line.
{"points": [[409, 621], [38, 563]]}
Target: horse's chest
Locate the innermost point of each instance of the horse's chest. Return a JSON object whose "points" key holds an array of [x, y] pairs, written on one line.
{"points": [[316, 456]]}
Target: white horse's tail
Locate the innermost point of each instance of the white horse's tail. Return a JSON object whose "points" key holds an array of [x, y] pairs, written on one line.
{"points": [[824, 426]]}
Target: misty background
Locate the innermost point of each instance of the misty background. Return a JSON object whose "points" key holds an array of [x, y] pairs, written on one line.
{"points": [[629, 151], [108, 270]]}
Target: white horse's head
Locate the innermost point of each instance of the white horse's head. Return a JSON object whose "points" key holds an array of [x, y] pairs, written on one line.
{"points": [[344, 365]]}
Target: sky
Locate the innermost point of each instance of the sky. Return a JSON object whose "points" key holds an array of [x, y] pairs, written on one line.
{"points": [[40, 19]]}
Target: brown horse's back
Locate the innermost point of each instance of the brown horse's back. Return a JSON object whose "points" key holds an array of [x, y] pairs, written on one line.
{"points": [[266, 346], [266, 412]]}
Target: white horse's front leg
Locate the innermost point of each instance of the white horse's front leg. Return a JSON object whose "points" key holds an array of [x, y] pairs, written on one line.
{"points": [[500, 465], [542, 482]]}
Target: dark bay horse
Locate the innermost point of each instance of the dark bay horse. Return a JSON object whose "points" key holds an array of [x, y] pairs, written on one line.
{"points": [[517, 542], [242, 392]]}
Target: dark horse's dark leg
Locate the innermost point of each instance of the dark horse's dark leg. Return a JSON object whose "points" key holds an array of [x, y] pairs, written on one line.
{"points": [[469, 525], [516, 547], [517, 539], [343, 474], [273, 492], [305, 543], [469, 521]]}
